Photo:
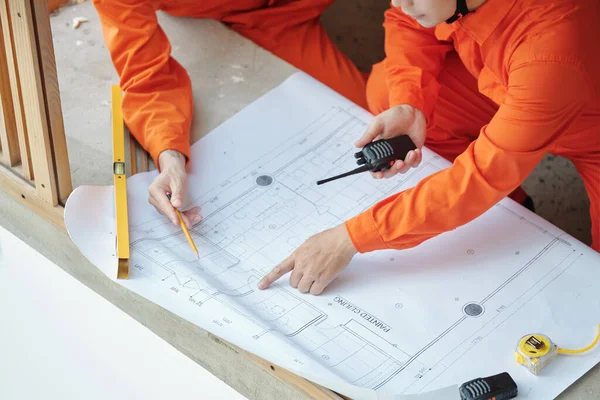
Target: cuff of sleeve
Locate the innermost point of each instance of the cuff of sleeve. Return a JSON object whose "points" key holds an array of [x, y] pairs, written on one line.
{"points": [[413, 96], [170, 143], [363, 233]]}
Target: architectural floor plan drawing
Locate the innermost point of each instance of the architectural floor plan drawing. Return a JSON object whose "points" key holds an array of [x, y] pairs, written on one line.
{"points": [[394, 322]]}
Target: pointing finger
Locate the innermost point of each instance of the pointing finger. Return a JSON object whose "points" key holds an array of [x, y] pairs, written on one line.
{"points": [[286, 266]]}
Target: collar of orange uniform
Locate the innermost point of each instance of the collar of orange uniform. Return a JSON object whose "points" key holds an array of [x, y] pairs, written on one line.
{"points": [[480, 24]]}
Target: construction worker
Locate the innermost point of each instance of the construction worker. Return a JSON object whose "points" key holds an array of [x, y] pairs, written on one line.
{"points": [[157, 105], [490, 85]]}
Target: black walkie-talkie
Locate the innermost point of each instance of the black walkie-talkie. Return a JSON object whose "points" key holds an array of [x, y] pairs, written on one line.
{"points": [[497, 387], [378, 156]]}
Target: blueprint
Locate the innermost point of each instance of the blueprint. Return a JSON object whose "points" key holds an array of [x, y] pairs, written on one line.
{"points": [[394, 322]]}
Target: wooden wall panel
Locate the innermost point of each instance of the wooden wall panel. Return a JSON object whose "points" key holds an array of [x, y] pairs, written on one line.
{"points": [[15, 90], [52, 99], [26, 54]]}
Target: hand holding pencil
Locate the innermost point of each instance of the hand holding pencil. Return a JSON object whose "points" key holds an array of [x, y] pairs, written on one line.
{"points": [[172, 179], [185, 229]]}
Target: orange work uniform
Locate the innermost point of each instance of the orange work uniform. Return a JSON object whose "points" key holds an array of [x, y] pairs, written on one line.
{"points": [[157, 105], [501, 87]]}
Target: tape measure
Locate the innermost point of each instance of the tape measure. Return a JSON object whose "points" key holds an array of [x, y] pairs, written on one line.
{"points": [[535, 351]]}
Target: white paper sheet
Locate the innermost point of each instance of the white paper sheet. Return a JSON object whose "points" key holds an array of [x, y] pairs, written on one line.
{"points": [[395, 322], [59, 341]]}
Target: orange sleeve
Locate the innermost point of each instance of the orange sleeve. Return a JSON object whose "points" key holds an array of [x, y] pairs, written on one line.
{"points": [[157, 105], [543, 100], [414, 59]]}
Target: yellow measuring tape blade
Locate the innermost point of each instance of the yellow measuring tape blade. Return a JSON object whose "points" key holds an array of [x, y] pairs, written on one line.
{"points": [[583, 350]]}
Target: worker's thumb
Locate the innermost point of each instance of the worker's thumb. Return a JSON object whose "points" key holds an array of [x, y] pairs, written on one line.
{"points": [[177, 188], [371, 133]]}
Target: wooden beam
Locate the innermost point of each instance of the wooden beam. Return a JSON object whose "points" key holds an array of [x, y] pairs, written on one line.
{"points": [[135, 150], [54, 114], [15, 88], [131, 144], [308, 388], [9, 142], [311, 389], [144, 166], [23, 191], [8, 128], [21, 16]]}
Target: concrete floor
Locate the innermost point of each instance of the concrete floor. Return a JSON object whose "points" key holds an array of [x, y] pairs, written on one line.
{"points": [[85, 75]]}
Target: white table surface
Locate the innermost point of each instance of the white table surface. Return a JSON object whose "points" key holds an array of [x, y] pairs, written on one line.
{"points": [[61, 340]]}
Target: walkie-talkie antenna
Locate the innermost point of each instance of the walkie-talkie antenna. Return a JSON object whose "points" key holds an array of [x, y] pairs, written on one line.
{"points": [[358, 170], [378, 156]]}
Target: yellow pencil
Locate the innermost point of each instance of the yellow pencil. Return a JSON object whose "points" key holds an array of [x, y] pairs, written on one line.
{"points": [[185, 230]]}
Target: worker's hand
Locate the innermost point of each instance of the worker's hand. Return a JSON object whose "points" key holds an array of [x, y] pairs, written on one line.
{"points": [[172, 179], [399, 120], [316, 263]]}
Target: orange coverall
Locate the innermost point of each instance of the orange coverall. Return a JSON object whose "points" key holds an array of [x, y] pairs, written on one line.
{"points": [[501, 87], [157, 105]]}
